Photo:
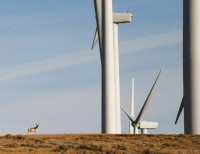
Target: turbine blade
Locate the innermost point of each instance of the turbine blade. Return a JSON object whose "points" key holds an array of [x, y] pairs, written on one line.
{"points": [[146, 103], [180, 110], [98, 14], [128, 115], [131, 128], [95, 39]]}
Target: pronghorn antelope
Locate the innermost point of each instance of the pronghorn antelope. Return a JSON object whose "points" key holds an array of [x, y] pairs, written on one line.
{"points": [[33, 129]]}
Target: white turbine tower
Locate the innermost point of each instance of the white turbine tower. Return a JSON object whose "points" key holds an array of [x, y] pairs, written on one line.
{"points": [[191, 67], [117, 19], [132, 130], [108, 112], [137, 123]]}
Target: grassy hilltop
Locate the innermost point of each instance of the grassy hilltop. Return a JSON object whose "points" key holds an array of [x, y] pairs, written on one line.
{"points": [[96, 143]]}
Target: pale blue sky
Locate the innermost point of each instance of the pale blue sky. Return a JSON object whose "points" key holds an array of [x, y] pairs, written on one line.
{"points": [[48, 74]]}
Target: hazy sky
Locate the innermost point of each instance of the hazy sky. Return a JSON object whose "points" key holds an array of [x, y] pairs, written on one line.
{"points": [[49, 75]]}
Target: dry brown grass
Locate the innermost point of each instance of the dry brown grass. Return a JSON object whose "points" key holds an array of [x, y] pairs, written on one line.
{"points": [[94, 143]]}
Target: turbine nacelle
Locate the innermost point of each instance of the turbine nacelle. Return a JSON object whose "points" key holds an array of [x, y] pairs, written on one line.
{"points": [[147, 125], [122, 18], [118, 18]]}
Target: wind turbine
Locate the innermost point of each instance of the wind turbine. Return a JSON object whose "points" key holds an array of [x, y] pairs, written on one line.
{"points": [[137, 123], [117, 18], [191, 67]]}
